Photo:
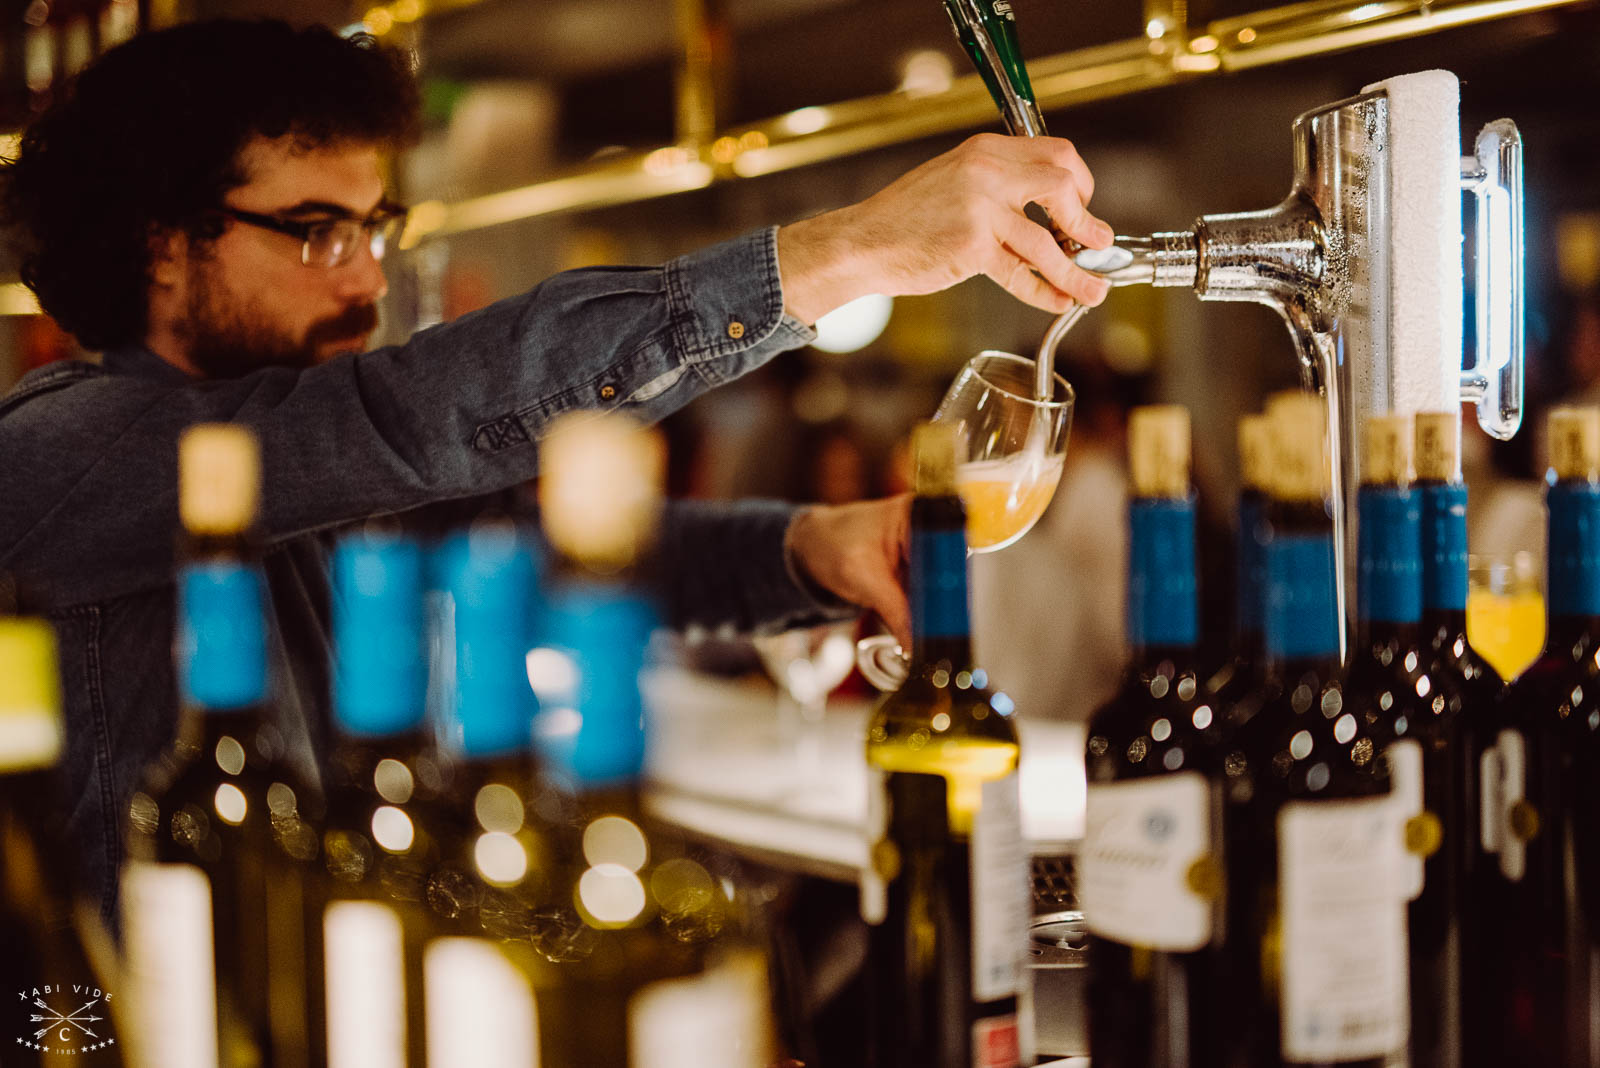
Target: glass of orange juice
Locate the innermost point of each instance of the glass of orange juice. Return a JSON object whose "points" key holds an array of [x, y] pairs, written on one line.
{"points": [[1011, 445], [1505, 610]]}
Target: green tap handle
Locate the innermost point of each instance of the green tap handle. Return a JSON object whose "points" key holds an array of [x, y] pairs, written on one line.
{"points": [[1001, 23], [969, 44]]}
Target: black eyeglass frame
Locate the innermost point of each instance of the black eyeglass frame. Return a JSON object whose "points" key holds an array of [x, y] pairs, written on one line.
{"points": [[381, 227]]}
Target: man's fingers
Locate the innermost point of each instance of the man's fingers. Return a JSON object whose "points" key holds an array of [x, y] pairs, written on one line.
{"points": [[1077, 222], [1056, 152]]}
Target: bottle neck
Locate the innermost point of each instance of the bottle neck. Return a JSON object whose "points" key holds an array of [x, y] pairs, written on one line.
{"points": [[1389, 565], [1250, 580], [1444, 552], [222, 636], [355, 758], [1302, 625], [941, 627], [1574, 561], [1163, 598]]}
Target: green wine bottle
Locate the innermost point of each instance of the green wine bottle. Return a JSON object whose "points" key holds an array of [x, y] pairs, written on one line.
{"points": [[221, 839], [947, 890]]}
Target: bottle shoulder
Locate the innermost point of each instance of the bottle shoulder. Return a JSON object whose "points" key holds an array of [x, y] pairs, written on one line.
{"points": [[1156, 723], [924, 709], [1308, 743]]}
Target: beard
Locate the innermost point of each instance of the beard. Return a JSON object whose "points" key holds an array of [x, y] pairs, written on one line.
{"points": [[227, 338]]}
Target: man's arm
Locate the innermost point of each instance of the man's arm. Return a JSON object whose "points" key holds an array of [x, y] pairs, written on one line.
{"points": [[88, 472]]}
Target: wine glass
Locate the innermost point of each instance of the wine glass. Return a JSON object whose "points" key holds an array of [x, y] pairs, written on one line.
{"points": [[1506, 610], [807, 663], [1011, 445], [1010, 448]]}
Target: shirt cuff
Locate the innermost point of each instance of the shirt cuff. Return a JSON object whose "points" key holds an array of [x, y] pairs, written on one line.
{"points": [[726, 303]]}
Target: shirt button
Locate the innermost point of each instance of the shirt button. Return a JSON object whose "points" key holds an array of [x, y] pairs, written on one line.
{"points": [[607, 392], [736, 330]]}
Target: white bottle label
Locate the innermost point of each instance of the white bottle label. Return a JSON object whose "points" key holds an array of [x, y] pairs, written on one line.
{"points": [[1000, 892], [366, 985], [874, 887], [1512, 756], [170, 964], [480, 1008], [1343, 941], [717, 1019], [1141, 842], [1405, 793]]}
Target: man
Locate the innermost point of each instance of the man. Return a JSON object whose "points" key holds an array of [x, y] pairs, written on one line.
{"points": [[206, 206]]}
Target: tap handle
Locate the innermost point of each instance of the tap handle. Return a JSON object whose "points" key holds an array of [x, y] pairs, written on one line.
{"points": [[1494, 381], [987, 29]]}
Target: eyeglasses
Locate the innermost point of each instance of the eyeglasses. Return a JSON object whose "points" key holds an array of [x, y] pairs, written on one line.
{"points": [[330, 242]]}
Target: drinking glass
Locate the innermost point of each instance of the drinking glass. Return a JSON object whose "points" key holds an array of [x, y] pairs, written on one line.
{"points": [[1505, 610], [1010, 445], [807, 663], [1010, 448]]}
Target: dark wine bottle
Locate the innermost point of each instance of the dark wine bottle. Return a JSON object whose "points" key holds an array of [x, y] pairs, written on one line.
{"points": [[1314, 860], [1414, 717], [381, 838], [54, 948], [1150, 868], [1242, 672], [1538, 778], [1483, 888], [482, 970], [947, 892], [221, 839]]}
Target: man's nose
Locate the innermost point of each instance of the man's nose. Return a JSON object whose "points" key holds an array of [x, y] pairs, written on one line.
{"points": [[362, 280]]}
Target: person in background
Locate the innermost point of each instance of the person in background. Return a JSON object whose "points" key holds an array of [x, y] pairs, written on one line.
{"points": [[205, 205]]}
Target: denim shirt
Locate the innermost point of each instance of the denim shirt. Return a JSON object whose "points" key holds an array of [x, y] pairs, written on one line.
{"points": [[89, 509]]}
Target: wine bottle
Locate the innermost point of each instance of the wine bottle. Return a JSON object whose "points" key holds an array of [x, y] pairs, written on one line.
{"points": [[1414, 717], [1315, 861], [1241, 673], [221, 836], [1534, 779], [52, 943], [382, 834], [655, 967], [481, 970], [1482, 893], [1150, 868], [946, 891]]}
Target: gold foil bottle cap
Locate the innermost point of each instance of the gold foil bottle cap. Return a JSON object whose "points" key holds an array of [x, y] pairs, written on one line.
{"points": [[1438, 441], [933, 455], [600, 488], [30, 696], [1386, 450], [1158, 450], [1300, 470], [219, 479], [1255, 452], [1574, 434]]}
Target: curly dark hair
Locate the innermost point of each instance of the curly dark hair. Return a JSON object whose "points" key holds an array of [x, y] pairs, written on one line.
{"points": [[147, 141]]}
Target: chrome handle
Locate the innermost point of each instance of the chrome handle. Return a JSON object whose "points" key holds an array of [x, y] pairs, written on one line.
{"points": [[1494, 381]]}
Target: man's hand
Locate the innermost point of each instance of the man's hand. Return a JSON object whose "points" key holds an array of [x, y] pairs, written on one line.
{"points": [[856, 551], [956, 216]]}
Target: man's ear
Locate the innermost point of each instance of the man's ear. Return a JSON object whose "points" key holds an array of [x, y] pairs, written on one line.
{"points": [[169, 258]]}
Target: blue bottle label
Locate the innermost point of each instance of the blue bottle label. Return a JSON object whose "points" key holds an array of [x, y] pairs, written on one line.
{"points": [[222, 636], [1162, 593], [1302, 612], [1574, 549], [1388, 556], [1444, 548], [939, 606], [1251, 583], [380, 666], [490, 577]]}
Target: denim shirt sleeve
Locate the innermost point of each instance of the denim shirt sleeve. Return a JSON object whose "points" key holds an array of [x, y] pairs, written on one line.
{"points": [[88, 505]]}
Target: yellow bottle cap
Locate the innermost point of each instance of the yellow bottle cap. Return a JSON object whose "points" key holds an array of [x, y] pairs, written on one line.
{"points": [[1438, 441], [1300, 469], [1574, 434], [1255, 452], [1386, 450], [601, 479], [1158, 450], [933, 451], [219, 479], [30, 695]]}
